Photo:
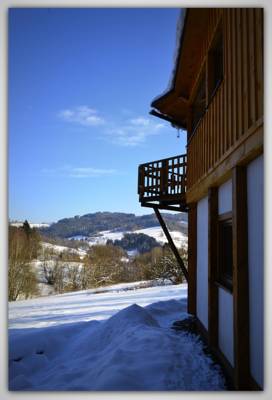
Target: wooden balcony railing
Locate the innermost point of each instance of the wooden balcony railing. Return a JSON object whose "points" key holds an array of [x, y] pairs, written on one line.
{"points": [[162, 183]]}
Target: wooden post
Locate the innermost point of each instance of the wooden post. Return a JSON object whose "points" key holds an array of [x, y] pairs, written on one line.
{"points": [[171, 243], [212, 266], [141, 181], [192, 257], [240, 280]]}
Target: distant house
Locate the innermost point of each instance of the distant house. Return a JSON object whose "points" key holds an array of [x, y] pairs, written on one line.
{"points": [[217, 97]]}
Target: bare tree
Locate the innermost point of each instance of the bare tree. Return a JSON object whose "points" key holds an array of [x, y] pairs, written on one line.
{"points": [[54, 274], [21, 278], [105, 265], [59, 277], [74, 277], [159, 263], [167, 267]]}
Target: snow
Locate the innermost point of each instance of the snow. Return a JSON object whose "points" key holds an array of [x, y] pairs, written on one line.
{"points": [[32, 225], [116, 340], [179, 31], [104, 236], [132, 253], [180, 239], [86, 305], [78, 237], [62, 249]]}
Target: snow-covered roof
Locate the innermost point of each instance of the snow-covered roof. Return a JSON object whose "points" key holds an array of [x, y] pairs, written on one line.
{"points": [[179, 33]]}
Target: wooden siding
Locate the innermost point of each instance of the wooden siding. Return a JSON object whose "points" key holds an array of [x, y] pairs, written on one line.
{"points": [[237, 106]]}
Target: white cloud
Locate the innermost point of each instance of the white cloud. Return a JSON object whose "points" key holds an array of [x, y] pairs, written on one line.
{"points": [[89, 172], [130, 133], [134, 132], [78, 172], [82, 115], [140, 121]]}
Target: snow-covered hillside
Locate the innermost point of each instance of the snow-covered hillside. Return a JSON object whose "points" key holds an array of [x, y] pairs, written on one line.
{"points": [[180, 239], [32, 224], [104, 236], [62, 249], [116, 340], [156, 232]]}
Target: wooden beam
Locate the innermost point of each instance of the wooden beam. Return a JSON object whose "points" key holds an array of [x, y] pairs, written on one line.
{"points": [[178, 208], [246, 66], [171, 243], [240, 280], [212, 266], [259, 60], [192, 257]]}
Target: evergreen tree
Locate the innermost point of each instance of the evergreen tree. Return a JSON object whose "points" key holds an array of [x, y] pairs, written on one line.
{"points": [[27, 228]]}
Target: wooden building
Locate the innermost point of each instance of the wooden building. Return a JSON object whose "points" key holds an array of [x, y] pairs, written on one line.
{"points": [[217, 98]]}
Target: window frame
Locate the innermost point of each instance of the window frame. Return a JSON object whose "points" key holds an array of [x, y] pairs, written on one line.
{"points": [[213, 86], [224, 279], [205, 72], [202, 77]]}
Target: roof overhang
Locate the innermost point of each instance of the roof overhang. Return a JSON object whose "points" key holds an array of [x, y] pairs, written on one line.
{"points": [[191, 33]]}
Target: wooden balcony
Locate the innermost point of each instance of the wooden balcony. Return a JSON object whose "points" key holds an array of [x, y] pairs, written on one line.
{"points": [[162, 183]]}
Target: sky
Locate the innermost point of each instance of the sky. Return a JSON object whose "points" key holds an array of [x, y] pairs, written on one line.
{"points": [[80, 84]]}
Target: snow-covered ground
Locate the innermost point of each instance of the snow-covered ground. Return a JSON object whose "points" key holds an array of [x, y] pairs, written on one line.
{"points": [[87, 305], [116, 340]]}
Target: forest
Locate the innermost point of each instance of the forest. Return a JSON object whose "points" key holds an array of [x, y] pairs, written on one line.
{"points": [[90, 224]]}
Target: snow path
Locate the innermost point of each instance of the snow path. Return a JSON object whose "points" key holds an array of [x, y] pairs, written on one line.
{"points": [[86, 341]]}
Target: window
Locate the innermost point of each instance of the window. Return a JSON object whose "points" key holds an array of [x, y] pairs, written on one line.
{"points": [[199, 104], [215, 64], [210, 79], [225, 253]]}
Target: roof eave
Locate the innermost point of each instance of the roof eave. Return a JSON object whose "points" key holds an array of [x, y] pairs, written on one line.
{"points": [[171, 87]]}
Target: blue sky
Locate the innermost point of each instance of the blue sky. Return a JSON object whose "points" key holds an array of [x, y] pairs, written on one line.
{"points": [[80, 86]]}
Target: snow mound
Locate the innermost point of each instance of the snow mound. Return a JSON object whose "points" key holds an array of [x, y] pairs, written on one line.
{"points": [[166, 312], [133, 315], [128, 351]]}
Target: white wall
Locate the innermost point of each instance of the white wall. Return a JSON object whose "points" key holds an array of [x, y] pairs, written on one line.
{"points": [[255, 264], [225, 299], [202, 262], [225, 197], [225, 324]]}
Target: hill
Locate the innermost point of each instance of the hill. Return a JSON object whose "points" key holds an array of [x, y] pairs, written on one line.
{"points": [[131, 241], [91, 224]]}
